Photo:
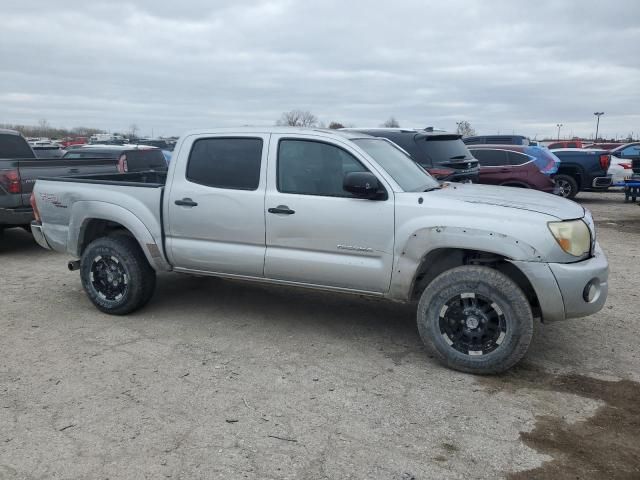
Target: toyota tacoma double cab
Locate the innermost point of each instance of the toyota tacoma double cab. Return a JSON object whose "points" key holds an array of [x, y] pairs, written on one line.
{"points": [[338, 211]]}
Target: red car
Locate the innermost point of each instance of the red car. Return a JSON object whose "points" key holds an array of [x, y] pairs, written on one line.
{"points": [[566, 144], [509, 168]]}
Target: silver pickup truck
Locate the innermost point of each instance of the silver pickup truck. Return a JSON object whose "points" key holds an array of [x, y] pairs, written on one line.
{"points": [[337, 211]]}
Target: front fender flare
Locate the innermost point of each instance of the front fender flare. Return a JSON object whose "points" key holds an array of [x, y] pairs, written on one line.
{"points": [[410, 255]]}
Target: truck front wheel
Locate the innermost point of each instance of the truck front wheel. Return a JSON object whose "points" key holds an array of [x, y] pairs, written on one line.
{"points": [[475, 319], [116, 276]]}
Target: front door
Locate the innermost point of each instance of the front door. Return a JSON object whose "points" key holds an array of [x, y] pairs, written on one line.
{"points": [[317, 233], [216, 206]]}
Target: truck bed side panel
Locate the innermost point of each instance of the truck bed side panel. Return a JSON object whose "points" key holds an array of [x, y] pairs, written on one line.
{"points": [[67, 208]]}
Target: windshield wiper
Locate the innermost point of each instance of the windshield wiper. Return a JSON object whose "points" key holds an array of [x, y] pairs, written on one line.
{"points": [[433, 188], [458, 157]]}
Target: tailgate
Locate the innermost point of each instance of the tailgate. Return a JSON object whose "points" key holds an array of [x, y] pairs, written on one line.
{"points": [[31, 170]]}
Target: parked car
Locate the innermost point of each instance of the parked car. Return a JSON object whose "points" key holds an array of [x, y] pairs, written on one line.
{"points": [[338, 211], [497, 140], [19, 169], [442, 154], [546, 161], [603, 146], [511, 169], [48, 151], [582, 169], [620, 170], [629, 152], [566, 144], [130, 158]]}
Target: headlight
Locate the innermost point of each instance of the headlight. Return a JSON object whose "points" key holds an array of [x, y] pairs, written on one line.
{"points": [[572, 236]]}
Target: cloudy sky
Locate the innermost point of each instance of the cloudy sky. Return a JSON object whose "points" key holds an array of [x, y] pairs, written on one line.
{"points": [[504, 65]]}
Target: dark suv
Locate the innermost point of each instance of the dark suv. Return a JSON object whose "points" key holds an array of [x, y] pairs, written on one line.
{"points": [[131, 158], [442, 154], [498, 140]]}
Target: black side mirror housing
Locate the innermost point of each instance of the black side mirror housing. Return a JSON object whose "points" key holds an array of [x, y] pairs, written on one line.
{"points": [[363, 185]]}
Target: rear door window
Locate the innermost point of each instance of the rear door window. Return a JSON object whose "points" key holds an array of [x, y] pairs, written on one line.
{"points": [[232, 163], [517, 158], [491, 158]]}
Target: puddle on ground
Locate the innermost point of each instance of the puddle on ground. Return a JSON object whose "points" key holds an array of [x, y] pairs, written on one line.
{"points": [[605, 445], [631, 225]]}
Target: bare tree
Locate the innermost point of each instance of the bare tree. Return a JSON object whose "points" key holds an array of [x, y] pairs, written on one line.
{"points": [[391, 123], [465, 129], [133, 130], [44, 128], [335, 125], [298, 118]]}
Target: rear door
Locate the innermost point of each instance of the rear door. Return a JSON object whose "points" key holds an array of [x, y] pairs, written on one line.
{"points": [[215, 211], [494, 165], [317, 233]]}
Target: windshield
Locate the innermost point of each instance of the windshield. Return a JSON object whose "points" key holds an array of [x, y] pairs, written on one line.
{"points": [[409, 175], [443, 150]]}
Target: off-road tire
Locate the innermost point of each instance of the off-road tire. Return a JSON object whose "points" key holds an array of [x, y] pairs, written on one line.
{"points": [[485, 283], [569, 185], [139, 277]]}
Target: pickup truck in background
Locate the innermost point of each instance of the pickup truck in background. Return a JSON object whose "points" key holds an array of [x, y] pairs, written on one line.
{"points": [[20, 167], [338, 211], [582, 169]]}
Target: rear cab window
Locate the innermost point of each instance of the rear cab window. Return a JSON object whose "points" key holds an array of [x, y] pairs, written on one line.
{"points": [[14, 146], [225, 162]]}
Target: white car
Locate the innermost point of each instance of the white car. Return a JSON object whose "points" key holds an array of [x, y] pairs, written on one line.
{"points": [[620, 169]]}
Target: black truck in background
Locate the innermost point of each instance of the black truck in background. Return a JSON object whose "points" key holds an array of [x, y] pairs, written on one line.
{"points": [[20, 168], [582, 169]]}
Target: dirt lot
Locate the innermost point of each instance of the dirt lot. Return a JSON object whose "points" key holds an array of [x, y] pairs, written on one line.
{"points": [[220, 379]]}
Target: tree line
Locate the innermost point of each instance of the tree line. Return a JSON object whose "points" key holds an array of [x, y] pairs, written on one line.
{"points": [[44, 129], [304, 118]]}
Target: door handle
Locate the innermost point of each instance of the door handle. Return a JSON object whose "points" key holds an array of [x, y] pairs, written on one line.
{"points": [[74, 170], [186, 202], [282, 209]]}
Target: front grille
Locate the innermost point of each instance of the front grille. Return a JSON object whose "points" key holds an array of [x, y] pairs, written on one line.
{"points": [[635, 164]]}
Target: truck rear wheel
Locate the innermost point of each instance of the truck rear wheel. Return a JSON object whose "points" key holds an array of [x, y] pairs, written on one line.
{"points": [[475, 319], [116, 275]]}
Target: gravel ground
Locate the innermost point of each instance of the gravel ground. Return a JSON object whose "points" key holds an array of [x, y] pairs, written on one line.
{"points": [[222, 379]]}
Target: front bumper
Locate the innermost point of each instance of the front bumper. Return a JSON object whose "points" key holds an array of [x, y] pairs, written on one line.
{"points": [[38, 235], [15, 216], [569, 290]]}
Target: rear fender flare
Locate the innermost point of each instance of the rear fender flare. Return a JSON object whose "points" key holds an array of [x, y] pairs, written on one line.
{"points": [[83, 212]]}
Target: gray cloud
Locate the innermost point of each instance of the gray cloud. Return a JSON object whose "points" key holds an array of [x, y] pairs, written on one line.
{"points": [[503, 65]]}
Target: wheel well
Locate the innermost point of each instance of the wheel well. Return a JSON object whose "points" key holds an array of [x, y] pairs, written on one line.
{"points": [[572, 172], [442, 259], [96, 228]]}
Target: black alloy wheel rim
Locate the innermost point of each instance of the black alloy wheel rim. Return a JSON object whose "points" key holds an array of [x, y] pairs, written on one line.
{"points": [[564, 188], [472, 324], [109, 278]]}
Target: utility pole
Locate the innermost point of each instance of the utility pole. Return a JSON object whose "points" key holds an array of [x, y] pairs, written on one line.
{"points": [[597, 114], [559, 125]]}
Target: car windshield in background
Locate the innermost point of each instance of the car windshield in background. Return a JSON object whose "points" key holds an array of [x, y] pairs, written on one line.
{"points": [[444, 149], [409, 175], [48, 152]]}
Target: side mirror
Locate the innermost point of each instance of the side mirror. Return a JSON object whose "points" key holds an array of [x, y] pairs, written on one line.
{"points": [[362, 185]]}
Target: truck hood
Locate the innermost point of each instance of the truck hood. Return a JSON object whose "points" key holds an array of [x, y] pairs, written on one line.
{"points": [[513, 197]]}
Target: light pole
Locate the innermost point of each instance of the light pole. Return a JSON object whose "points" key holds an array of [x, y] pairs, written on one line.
{"points": [[559, 125], [597, 114]]}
